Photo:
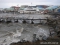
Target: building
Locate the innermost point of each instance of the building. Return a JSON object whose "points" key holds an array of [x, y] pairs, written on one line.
{"points": [[27, 9], [21, 9], [15, 8], [57, 9], [1, 9], [50, 9], [41, 8], [32, 9]]}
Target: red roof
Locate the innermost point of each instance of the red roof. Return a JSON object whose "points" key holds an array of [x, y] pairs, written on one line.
{"points": [[15, 7]]}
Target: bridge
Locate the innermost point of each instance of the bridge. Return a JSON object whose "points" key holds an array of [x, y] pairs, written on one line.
{"points": [[17, 19]]}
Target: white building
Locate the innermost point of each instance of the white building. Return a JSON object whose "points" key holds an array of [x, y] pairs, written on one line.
{"points": [[30, 9], [27, 9]]}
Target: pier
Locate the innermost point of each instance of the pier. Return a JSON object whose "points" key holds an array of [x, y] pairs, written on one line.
{"points": [[17, 19]]}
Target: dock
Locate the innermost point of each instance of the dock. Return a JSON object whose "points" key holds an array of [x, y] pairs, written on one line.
{"points": [[17, 19]]}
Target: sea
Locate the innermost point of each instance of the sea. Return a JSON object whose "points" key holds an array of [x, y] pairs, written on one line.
{"points": [[15, 32]]}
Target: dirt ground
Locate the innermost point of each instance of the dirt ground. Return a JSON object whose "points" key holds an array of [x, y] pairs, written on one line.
{"points": [[49, 41]]}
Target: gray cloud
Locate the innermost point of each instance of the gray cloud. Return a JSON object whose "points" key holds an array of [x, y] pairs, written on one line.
{"points": [[8, 3]]}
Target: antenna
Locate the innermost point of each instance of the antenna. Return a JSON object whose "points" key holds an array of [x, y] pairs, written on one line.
{"points": [[17, 5], [31, 3]]}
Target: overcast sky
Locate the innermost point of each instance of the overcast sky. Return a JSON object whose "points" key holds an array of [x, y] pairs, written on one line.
{"points": [[9, 3]]}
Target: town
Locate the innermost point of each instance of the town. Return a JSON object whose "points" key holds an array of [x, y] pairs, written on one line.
{"points": [[29, 25], [26, 9]]}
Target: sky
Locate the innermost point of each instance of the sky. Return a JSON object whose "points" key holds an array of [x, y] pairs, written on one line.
{"points": [[9, 3]]}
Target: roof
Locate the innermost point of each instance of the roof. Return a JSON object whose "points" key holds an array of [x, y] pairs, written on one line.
{"points": [[9, 9], [33, 6], [1, 9], [52, 7], [15, 7], [42, 6]]}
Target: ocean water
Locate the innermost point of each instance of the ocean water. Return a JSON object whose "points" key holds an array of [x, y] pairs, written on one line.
{"points": [[15, 32]]}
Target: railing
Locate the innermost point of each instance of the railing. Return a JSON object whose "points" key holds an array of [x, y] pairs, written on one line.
{"points": [[15, 19]]}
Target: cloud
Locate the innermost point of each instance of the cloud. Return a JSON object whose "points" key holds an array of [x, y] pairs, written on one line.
{"points": [[8, 3]]}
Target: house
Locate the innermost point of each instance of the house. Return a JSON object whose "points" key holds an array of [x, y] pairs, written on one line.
{"points": [[9, 10], [50, 9], [41, 8], [30, 9], [21, 9], [12, 9], [57, 9], [15, 8], [27, 9], [1, 9]]}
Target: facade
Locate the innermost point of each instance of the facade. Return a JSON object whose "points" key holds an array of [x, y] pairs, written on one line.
{"points": [[42, 6], [1, 9], [21, 9], [50, 9], [15, 8], [57, 9], [12, 9], [27, 9], [8, 9], [24, 6], [30, 9]]}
